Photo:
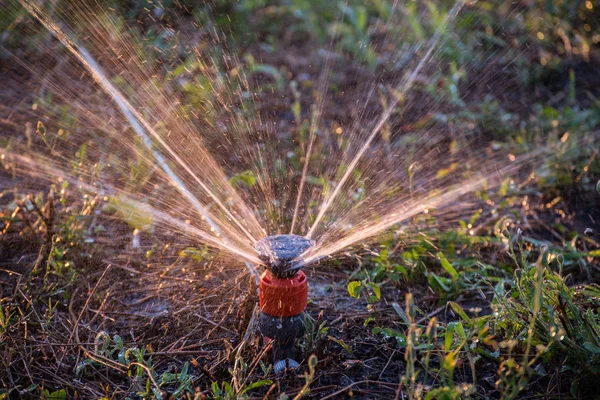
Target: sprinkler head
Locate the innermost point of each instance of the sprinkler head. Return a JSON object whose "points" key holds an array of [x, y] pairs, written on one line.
{"points": [[278, 252], [283, 296]]}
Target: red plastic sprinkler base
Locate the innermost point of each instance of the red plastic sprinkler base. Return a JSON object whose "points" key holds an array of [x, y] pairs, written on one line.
{"points": [[282, 305], [283, 297]]}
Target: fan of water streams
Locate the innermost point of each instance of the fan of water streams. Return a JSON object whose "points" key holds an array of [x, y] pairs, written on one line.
{"points": [[176, 137]]}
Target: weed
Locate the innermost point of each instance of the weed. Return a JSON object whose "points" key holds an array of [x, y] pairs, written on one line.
{"points": [[551, 320], [139, 368], [315, 335]]}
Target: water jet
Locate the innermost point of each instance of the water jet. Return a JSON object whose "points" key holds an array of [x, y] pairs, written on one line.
{"points": [[283, 295]]}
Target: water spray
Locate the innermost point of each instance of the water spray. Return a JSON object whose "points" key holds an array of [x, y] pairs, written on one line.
{"points": [[283, 295]]}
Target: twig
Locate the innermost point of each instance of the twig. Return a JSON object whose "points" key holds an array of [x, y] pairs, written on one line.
{"points": [[254, 364], [273, 386], [123, 267], [548, 228], [37, 316], [220, 322], [81, 314], [99, 310], [179, 352], [217, 325], [107, 362], [388, 363], [368, 382], [587, 166], [431, 314]]}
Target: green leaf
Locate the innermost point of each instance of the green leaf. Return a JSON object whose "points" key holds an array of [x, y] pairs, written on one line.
{"points": [[437, 282], [447, 266], [503, 191], [257, 384], [449, 363], [449, 336], [228, 390], [343, 344], [296, 109], [368, 321], [442, 173], [459, 310], [390, 333], [196, 254], [81, 366], [316, 181], [215, 388], [361, 18], [134, 214], [376, 289], [246, 178], [354, 289], [57, 395], [591, 347], [184, 372], [460, 331], [594, 253], [41, 129], [400, 312]]}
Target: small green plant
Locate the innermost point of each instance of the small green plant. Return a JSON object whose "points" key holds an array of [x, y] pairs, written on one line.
{"points": [[315, 334], [421, 344], [352, 34], [308, 377], [58, 263], [6, 315], [443, 285], [139, 368], [355, 288], [55, 395], [381, 270], [245, 178], [543, 318], [225, 391]]}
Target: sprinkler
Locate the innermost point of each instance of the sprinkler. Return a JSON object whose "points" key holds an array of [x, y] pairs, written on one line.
{"points": [[283, 295]]}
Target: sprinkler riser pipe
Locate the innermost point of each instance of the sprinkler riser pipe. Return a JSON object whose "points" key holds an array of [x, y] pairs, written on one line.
{"points": [[283, 332]]}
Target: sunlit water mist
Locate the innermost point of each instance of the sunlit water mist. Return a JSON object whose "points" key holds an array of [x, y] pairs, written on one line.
{"points": [[43, 169], [220, 173]]}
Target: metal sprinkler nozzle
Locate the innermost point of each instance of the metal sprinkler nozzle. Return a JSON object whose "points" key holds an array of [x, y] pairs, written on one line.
{"points": [[278, 252], [283, 295]]}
